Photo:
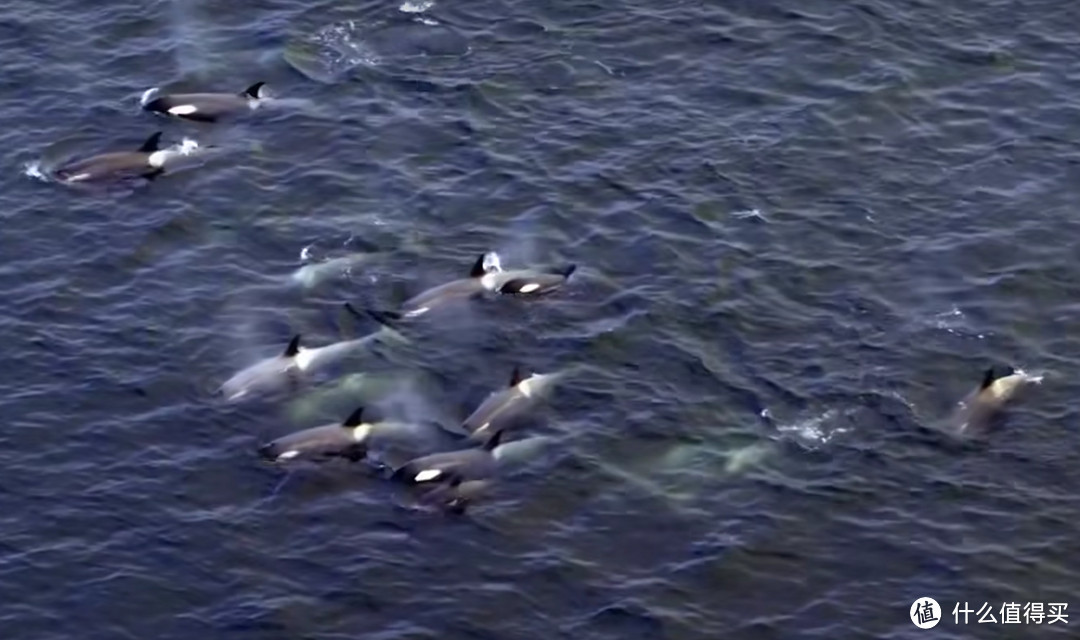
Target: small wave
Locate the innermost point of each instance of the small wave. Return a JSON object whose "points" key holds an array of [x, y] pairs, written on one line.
{"points": [[148, 95], [750, 213]]}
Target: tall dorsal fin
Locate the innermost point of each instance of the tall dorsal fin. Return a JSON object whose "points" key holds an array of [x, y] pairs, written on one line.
{"points": [[988, 379], [294, 347], [566, 270], [478, 267], [516, 377], [151, 144], [355, 419], [493, 441], [253, 90]]}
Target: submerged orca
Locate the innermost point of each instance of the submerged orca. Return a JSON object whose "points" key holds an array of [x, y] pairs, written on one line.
{"points": [[204, 107], [505, 405]]}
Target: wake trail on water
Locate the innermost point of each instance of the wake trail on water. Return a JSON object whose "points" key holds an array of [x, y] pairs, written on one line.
{"points": [[192, 51]]}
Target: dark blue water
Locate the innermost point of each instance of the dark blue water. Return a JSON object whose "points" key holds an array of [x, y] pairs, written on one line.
{"points": [[803, 230]]}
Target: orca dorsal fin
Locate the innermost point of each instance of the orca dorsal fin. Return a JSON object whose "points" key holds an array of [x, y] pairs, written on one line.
{"points": [[478, 267], [355, 419], [253, 91], [988, 379], [567, 270], [294, 347], [516, 377], [493, 441], [151, 144]]}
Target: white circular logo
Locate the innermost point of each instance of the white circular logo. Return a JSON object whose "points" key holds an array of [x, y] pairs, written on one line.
{"points": [[926, 613]]}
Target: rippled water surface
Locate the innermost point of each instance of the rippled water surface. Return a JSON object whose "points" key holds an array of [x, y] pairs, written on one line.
{"points": [[803, 230]]}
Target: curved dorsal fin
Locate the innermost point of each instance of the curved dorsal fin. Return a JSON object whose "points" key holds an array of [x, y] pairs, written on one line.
{"points": [[294, 347], [151, 144], [478, 267], [988, 379], [253, 90], [355, 419], [493, 441], [516, 377]]}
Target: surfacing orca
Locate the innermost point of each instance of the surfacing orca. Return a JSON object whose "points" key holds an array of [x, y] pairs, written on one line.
{"points": [[464, 464], [350, 439], [449, 292], [524, 282], [502, 407], [204, 107], [277, 373], [453, 479], [148, 162], [987, 401], [346, 440]]}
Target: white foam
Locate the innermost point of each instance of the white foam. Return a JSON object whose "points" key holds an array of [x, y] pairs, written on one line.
{"points": [[815, 430], [1030, 377], [492, 263], [187, 147], [33, 170], [416, 6], [183, 110], [427, 474]]}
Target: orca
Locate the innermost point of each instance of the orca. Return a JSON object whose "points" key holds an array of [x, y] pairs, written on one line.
{"points": [[279, 372], [454, 479], [148, 162], [504, 406], [986, 402], [204, 107], [351, 439]]}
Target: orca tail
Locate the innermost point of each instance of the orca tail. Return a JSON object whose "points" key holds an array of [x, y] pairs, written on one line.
{"points": [[567, 270]]}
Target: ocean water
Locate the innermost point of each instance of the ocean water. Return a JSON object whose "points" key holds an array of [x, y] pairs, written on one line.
{"points": [[803, 230]]}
